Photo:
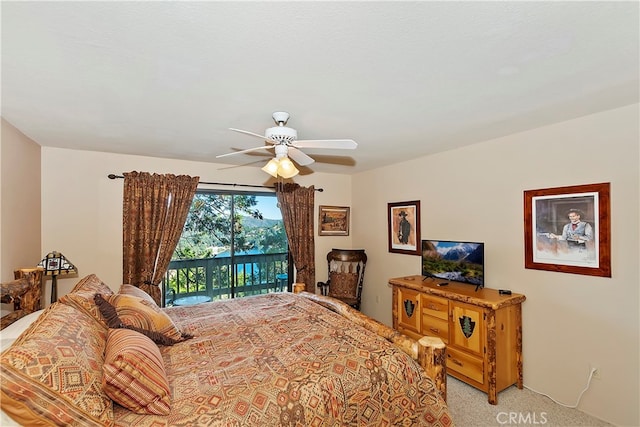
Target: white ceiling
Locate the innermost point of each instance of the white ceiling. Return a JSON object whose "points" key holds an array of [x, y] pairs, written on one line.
{"points": [[403, 79]]}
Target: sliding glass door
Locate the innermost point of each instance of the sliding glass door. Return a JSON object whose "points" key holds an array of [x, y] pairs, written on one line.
{"points": [[233, 244]]}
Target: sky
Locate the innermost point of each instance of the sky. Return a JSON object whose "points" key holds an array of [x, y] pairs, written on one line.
{"points": [[268, 206]]}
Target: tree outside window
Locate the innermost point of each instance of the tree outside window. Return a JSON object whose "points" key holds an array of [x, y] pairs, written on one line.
{"points": [[224, 225]]}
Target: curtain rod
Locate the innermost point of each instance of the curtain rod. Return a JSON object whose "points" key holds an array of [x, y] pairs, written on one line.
{"points": [[114, 176]]}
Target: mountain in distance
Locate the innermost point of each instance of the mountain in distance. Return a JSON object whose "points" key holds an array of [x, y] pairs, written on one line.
{"points": [[477, 256], [251, 222], [468, 252]]}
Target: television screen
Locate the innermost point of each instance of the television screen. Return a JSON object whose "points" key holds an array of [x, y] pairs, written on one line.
{"points": [[455, 261]]}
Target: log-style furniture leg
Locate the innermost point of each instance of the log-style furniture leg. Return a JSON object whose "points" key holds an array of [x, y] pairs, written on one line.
{"points": [[491, 358], [520, 382]]}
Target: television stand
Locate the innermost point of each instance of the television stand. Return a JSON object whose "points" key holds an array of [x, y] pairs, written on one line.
{"points": [[482, 329]]}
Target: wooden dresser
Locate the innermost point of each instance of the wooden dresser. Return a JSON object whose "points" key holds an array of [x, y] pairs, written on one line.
{"points": [[482, 329]]}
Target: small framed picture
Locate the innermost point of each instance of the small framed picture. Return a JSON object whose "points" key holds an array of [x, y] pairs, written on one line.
{"points": [[333, 221], [404, 227], [567, 229]]}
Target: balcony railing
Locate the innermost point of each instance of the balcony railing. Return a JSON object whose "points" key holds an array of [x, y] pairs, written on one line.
{"points": [[217, 278]]}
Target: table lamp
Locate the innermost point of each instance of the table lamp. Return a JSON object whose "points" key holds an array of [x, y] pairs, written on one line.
{"points": [[55, 264]]}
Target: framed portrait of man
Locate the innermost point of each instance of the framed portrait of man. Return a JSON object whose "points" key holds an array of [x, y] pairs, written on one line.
{"points": [[404, 227], [567, 229]]}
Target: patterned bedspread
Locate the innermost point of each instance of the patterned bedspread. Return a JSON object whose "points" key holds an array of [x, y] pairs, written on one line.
{"points": [[282, 360]]}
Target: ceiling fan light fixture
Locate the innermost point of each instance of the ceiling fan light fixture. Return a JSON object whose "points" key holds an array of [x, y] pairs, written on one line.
{"points": [[272, 167], [281, 134], [286, 168], [284, 140]]}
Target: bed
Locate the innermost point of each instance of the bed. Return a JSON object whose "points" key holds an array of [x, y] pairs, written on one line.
{"points": [[279, 359]]}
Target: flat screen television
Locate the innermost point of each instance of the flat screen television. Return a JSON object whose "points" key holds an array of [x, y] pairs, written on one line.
{"points": [[455, 261]]}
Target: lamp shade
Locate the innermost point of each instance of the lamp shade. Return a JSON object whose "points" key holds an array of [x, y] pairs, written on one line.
{"points": [[286, 168], [281, 166], [56, 264], [272, 168]]}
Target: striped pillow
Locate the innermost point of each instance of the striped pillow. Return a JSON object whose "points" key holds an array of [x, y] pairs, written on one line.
{"points": [[126, 311], [134, 375]]}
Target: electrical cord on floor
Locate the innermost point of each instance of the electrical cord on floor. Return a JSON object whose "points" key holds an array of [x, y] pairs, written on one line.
{"points": [[593, 370]]}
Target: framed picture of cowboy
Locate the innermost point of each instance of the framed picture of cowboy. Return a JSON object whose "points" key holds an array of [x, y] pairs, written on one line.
{"points": [[404, 227], [567, 229]]}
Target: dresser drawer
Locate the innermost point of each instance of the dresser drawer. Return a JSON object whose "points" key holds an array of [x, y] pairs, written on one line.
{"points": [[435, 306], [465, 364], [436, 327]]}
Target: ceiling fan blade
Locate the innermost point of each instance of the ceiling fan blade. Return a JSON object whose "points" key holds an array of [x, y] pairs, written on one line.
{"points": [[251, 133], [347, 144], [299, 157], [244, 151]]}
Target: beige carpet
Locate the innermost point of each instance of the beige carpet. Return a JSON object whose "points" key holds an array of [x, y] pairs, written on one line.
{"points": [[469, 408]]}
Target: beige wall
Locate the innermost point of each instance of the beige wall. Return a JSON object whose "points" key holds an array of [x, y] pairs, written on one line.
{"points": [[476, 194], [19, 201], [84, 221]]}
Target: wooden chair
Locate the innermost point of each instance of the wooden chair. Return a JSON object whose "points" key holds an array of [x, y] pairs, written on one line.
{"points": [[346, 275], [25, 292]]}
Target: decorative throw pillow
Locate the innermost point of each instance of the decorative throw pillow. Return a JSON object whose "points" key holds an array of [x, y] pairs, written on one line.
{"points": [[91, 284], [134, 374], [81, 296], [135, 291], [126, 311], [52, 375]]}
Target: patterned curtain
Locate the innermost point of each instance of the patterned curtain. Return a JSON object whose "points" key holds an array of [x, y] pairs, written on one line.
{"points": [[296, 205], [155, 208]]}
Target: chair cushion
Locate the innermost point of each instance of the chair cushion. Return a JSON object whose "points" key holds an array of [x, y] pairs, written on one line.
{"points": [[134, 374], [343, 285]]}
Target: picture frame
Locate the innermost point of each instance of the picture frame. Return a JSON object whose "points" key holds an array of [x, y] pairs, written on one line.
{"points": [[333, 220], [404, 227], [568, 229]]}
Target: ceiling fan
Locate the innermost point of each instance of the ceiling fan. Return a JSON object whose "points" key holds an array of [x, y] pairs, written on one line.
{"points": [[284, 140]]}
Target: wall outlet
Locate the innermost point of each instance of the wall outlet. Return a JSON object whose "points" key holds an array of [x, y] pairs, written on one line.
{"points": [[596, 374], [377, 299]]}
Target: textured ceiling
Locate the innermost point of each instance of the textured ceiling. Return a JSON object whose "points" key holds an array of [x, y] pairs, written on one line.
{"points": [[403, 79]]}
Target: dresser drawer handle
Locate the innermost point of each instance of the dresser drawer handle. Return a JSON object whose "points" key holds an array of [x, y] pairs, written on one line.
{"points": [[436, 330], [432, 307], [456, 361]]}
